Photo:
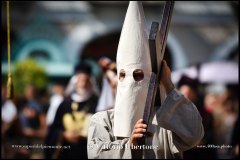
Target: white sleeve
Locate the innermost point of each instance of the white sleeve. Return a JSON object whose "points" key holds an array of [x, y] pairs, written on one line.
{"points": [[181, 117]]}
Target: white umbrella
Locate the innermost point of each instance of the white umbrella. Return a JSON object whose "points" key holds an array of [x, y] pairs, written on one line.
{"points": [[219, 72]]}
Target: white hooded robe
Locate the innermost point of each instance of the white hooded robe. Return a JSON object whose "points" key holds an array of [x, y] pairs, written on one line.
{"points": [[176, 127]]}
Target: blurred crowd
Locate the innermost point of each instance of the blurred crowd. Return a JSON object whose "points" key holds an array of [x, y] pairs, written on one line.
{"points": [[53, 123]]}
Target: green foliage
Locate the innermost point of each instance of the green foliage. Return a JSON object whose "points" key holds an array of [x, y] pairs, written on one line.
{"points": [[28, 72]]}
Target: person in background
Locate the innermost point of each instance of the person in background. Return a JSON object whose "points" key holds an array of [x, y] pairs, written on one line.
{"points": [[225, 115], [8, 111], [32, 118], [9, 116], [233, 106], [189, 87], [33, 121], [73, 114], [55, 100], [109, 81]]}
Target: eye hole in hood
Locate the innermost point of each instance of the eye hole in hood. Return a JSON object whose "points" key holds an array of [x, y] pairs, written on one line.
{"points": [[122, 75], [138, 75]]}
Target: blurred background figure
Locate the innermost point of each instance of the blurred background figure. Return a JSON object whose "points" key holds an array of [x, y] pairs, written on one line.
{"points": [[81, 68], [31, 116], [232, 121], [9, 110], [221, 100], [43, 99], [9, 115], [33, 121], [71, 121], [109, 82], [190, 88], [57, 96]]}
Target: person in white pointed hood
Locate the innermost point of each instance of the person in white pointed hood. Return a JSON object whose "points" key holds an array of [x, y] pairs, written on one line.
{"points": [[176, 125]]}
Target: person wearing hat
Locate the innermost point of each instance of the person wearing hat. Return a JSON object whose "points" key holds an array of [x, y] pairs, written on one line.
{"points": [[72, 117], [176, 125]]}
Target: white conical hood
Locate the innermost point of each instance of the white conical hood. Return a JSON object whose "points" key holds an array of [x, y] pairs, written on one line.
{"points": [[133, 45], [133, 53]]}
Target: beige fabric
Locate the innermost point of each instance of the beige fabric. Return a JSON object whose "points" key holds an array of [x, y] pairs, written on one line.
{"points": [[133, 53], [77, 121], [176, 127]]}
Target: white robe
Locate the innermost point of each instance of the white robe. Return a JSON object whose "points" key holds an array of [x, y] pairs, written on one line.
{"points": [[176, 127]]}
